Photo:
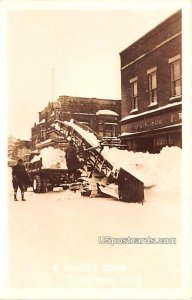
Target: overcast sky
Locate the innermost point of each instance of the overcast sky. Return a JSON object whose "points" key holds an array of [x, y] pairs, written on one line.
{"points": [[79, 48]]}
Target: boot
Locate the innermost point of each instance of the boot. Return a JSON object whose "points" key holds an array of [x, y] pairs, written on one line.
{"points": [[22, 197], [15, 197]]}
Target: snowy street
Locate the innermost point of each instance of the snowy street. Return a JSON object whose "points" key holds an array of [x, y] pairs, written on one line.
{"points": [[54, 238], [96, 150]]}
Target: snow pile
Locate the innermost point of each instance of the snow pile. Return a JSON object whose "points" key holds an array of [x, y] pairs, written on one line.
{"points": [[162, 170], [51, 158]]}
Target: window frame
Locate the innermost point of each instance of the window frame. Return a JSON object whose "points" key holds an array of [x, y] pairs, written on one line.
{"points": [[134, 96], [173, 80], [43, 133], [152, 90]]}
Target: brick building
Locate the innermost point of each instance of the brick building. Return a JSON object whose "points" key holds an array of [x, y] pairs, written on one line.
{"points": [[151, 88], [101, 115]]}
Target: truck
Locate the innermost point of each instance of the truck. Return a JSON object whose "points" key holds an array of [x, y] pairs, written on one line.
{"points": [[44, 179]]}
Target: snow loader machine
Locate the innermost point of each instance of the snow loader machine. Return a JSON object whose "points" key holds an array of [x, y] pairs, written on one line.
{"points": [[99, 177]]}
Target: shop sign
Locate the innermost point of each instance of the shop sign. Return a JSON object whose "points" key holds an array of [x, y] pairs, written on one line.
{"points": [[156, 122]]}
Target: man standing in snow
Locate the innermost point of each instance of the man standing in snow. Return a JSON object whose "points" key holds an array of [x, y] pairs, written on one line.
{"points": [[20, 178], [72, 160]]}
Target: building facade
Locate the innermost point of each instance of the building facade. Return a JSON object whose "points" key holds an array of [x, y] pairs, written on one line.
{"points": [[101, 115], [151, 84]]}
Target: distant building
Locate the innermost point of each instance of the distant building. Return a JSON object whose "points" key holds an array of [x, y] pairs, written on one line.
{"points": [[12, 149], [101, 115], [18, 149], [151, 73], [23, 149]]}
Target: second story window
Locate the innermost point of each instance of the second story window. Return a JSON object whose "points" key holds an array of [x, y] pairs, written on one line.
{"points": [[152, 79], [134, 100], [176, 78], [175, 69], [43, 133]]}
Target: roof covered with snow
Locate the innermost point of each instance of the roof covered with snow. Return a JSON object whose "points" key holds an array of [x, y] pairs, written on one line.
{"points": [[106, 112]]}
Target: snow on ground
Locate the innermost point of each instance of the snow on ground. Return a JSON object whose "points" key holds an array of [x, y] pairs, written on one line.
{"points": [[53, 237]]}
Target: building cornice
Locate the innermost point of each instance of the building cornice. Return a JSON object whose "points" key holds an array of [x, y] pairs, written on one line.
{"points": [[153, 49]]}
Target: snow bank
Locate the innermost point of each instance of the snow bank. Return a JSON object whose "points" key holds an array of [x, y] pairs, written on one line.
{"points": [[51, 158], [162, 169]]}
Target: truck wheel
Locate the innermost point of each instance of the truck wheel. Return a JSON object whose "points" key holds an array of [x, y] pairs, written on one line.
{"points": [[37, 185], [44, 188]]}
